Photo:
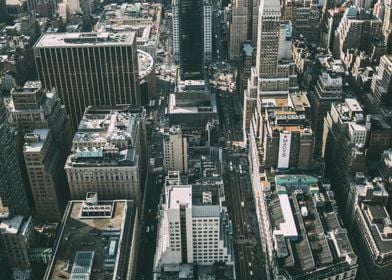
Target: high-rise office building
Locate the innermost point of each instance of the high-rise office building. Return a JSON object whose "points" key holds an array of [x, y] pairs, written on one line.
{"points": [[175, 150], [44, 163], [328, 90], [344, 136], [243, 25], [304, 15], [268, 39], [107, 154], [329, 23], [192, 35], [12, 190], [274, 74], [43, 141], [89, 69], [387, 25], [273, 59], [193, 226], [381, 88], [98, 239], [379, 136], [207, 31], [355, 30], [17, 236]]}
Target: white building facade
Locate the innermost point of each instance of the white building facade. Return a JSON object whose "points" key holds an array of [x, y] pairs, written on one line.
{"points": [[191, 232], [175, 150]]}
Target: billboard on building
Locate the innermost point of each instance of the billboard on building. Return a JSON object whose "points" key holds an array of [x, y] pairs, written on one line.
{"points": [[284, 149]]}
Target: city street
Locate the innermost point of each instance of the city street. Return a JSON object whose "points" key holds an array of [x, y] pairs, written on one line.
{"points": [[151, 200], [247, 251], [249, 262]]}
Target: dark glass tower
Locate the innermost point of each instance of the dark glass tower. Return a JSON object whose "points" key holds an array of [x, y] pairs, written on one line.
{"points": [[190, 21], [89, 69]]}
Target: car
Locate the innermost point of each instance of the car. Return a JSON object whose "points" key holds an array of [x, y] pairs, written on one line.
{"points": [[147, 229], [149, 210]]}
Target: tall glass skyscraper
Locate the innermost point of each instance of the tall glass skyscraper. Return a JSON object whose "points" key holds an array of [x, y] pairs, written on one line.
{"points": [[192, 39]]}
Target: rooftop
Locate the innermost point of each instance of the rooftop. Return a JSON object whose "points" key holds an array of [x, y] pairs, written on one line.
{"points": [[15, 225], [88, 39], [350, 110], [180, 195], [301, 217], [89, 244], [106, 136], [35, 140], [287, 120], [145, 63], [379, 225], [195, 102], [128, 16]]}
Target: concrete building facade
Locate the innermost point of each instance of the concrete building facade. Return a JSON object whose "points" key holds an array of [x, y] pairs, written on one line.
{"points": [[328, 90], [175, 150], [243, 25], [17, 236], [108, 154], [43, 139], [12, 189], [355, 30]]}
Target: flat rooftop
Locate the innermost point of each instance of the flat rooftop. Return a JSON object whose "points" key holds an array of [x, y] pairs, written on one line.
{"points": [[301, 218], [191, 103], [180, 195], [87, 39], [377, 219], [102, 128], [94, 239], [15, 225], [35, 146]]}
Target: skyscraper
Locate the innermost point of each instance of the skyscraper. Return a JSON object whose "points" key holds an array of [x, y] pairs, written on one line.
{"points": [[12, 192], [382, 84], [243, 25], [268, 39], [89, 69], [355, 30], [387, 25], [192, 36], [43, 139], [207, 30], [274, 68], [273, 59], [17, 235], [328, 90]]}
